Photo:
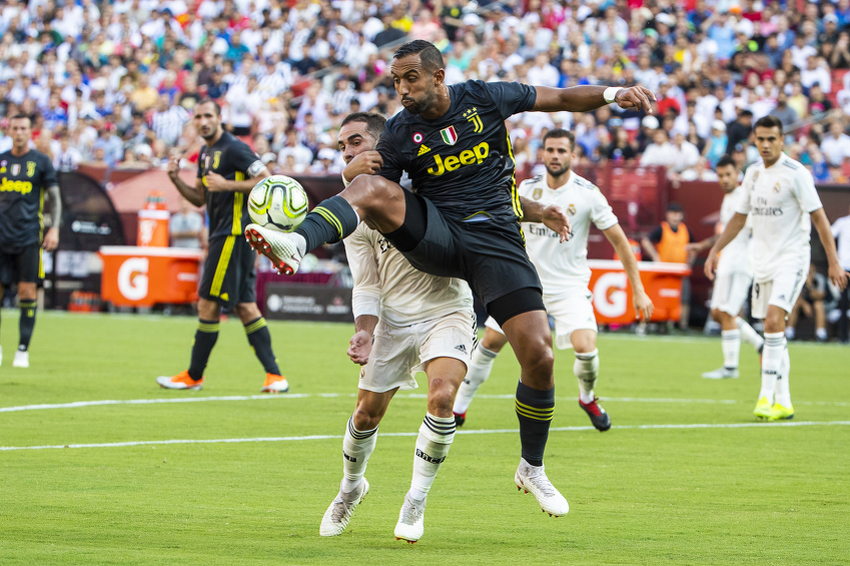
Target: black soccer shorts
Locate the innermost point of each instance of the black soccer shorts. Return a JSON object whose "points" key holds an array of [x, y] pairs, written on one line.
{"points": [[229, 275], [21, 266]]}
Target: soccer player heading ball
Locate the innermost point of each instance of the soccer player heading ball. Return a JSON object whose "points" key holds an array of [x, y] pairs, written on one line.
{"points": [[462, 221], [780, 197]]}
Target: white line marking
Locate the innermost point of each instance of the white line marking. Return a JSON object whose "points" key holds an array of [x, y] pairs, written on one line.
{"points": [[411, 434], [229, 398]]}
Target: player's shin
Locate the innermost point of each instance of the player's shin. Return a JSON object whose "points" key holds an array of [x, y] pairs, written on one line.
{"points": [[774, 346], [783, 384], [731, 344], [749, 334], [479, 370], [27, 323], [331, 221], [432, 446], [261, 341], [534, 409], [586, 368], [205, 338], [357, 446]]}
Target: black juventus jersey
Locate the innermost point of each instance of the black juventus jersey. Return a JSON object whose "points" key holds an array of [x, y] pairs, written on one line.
{"points": [[23, 181], [462, 161], [232, 159]]}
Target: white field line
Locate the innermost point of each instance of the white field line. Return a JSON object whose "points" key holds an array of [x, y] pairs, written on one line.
{"points": [[412, 434], [231, 398]]}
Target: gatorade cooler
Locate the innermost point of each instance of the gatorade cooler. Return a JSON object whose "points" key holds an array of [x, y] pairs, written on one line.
{"points": [[153, 222]]}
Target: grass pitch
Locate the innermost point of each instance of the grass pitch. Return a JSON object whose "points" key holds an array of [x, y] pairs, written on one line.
{"points": [[255, 473]]}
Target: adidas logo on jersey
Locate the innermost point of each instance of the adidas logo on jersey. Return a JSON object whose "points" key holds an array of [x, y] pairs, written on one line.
{"points": [[461, 348], [423, 149]]}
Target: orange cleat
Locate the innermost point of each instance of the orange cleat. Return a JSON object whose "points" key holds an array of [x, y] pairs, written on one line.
{"points": [[180, 381]]}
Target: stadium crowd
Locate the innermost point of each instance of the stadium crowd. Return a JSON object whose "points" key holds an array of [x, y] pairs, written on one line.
{"points": [[114, 83]]}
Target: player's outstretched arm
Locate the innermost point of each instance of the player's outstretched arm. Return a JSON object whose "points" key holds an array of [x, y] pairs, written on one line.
{"points": [[552, 216], [837, 274], [735, 225], [195, 194], [51, 238], [588, 97], [643, 304]]}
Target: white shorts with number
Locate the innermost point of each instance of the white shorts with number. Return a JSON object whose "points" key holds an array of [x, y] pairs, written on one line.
{"points": [[783, 291], [399, 352], [731, 291], [570, 314]]}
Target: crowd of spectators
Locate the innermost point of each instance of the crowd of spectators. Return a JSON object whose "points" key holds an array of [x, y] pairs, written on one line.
{"points": [[114, 83]]}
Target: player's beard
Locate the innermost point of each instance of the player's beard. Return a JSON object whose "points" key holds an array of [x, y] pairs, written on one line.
{"points": [[558, 172], [420, 106], [213, 134]]}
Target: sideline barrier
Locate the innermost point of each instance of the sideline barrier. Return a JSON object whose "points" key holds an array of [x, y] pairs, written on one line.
{"points": [[145, 276], [612, 293]]}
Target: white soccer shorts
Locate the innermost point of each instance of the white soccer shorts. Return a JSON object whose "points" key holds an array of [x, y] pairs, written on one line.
{"points": [[399, 352], [731, 291], [570, 314], [783, 291]]}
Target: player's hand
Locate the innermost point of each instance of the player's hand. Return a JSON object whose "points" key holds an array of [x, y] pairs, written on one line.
{"points": [[360, 347], [51, 239], [838, 276], [693, 248], [366, 163], [215, 182], [643, 305], [635, 97], [711, 264], [173, 168], [556, 220]]}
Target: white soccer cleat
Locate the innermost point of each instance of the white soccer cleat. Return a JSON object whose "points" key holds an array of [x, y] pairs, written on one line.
{"points": [[275, 384], [280, 247], [411, 520], [339, 513], [722, 373], [22, 359], [533, 480]]}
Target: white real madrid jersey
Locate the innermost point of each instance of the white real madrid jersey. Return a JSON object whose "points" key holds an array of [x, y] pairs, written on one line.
{"points": [[387, 286], [563, 267], [735, 257], [779, 199]]}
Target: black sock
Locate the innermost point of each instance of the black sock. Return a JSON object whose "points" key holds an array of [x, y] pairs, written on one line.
{"points": [[261, 341], [535, 410], [27, 323], [205, 338], [331, 221]]}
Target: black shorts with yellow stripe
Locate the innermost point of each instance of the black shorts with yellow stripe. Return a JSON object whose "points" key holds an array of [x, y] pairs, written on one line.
{"points": [[229, 275], [21, 266]]}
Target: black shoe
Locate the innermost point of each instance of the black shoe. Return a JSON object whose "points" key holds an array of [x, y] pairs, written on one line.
{"points": [[597, 414], [460, 419]]}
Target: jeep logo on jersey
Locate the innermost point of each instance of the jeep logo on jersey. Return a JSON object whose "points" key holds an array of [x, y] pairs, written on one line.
{"points": [[474, 156], [8, 185]]}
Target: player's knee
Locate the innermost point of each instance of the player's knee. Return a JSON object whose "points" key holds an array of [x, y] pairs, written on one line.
{"points": [[716, 315], [26, 291], [539, 361], [365, 418], [441, 396], [584, 343], [371, 192]]}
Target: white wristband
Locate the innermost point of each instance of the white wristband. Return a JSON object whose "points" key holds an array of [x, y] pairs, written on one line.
{"points": [[610, 94]]}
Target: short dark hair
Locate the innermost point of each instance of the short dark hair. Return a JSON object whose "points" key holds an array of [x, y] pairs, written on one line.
{"points": [[674, 207], [725, 161], [21, 116], [375, 123], [745, 113], [560, 133], [215, 104], [769, 122], [429, 55]]}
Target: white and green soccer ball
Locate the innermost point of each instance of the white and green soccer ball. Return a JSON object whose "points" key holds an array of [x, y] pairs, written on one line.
{"points": [[278, 202]]}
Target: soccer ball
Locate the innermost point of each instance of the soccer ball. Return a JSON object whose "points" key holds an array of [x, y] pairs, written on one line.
{"points": [[278, 202]]}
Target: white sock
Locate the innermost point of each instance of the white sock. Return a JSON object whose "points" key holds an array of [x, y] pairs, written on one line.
{"points": [[479, 370], [749, 334], [790, 333], [771, 363], [357, 446], [586, 368], [783, 385], [731, 343], [432, 446], [820, 333]]}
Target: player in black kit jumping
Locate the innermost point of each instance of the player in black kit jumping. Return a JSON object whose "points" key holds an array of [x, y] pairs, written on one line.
{"points": [[25, 175], [462, 219]]}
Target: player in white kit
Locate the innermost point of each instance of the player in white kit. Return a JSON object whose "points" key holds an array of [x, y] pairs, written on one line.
{"points": [[734, 277], [565, 275], [780, 197], [405, 321]]}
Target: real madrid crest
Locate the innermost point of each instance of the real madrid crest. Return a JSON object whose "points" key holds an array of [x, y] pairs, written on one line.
{"points": [[537, 194], [776, 188], [571, 209], [755, 176]]}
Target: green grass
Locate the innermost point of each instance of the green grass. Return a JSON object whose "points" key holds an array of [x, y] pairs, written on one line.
{"points": [[750, 495]]}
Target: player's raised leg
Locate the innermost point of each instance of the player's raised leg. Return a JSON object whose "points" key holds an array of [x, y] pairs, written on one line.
{"points": [[479, 368], [370, 198], [531, 340], [432, 445], [361, 434]]}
